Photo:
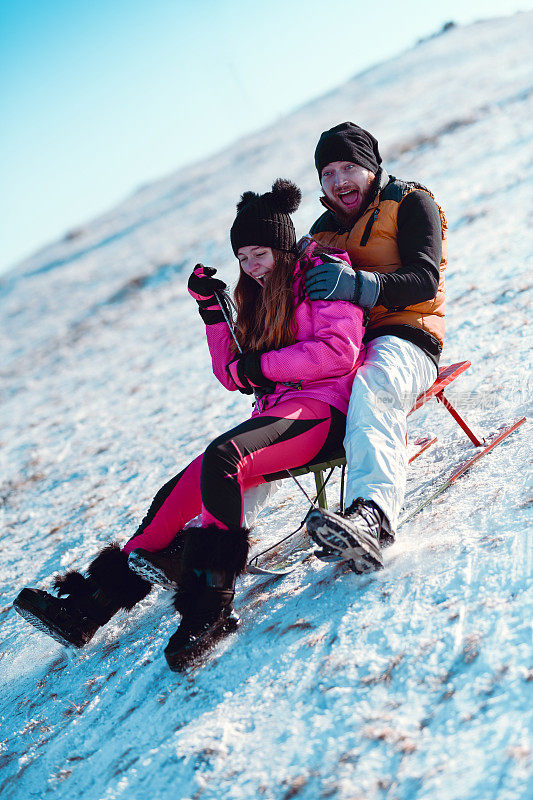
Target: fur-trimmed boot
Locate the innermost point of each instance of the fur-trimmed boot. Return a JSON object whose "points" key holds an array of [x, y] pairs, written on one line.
{"points": [[161, 567], [84, 604], [212, 559]]}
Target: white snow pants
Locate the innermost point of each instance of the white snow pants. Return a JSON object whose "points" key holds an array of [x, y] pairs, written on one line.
{"points": [[384, 390]]}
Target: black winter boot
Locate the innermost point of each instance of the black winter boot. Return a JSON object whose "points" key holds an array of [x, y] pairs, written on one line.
{"points": [[161, 568], [84, 604], [212, 559], [355, 538]]}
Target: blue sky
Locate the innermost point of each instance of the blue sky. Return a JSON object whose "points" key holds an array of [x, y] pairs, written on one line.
{"points": [[97, 98]]}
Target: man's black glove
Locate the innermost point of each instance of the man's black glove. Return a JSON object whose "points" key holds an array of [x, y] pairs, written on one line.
{"points": [[204, 288], [247, 375], [334, 279]]}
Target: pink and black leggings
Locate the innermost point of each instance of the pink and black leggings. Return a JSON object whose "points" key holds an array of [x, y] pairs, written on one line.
{"points": [[294, 433]]}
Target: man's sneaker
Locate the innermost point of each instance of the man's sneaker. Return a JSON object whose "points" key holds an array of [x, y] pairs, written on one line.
{"points": [[161, 568], [354, 538]]}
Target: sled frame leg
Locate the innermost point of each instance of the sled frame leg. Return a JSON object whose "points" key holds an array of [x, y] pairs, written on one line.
{"points": [[342, 497], [320, 484], [476, 441]]}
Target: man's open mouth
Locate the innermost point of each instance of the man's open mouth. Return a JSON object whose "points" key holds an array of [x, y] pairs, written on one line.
{"points": [[349, 198]]}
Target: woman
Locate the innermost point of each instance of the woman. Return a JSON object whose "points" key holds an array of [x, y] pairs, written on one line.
{"points": [[299, 358]]}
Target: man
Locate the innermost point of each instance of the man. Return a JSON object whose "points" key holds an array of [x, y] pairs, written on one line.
{"points": [[395, 235]]}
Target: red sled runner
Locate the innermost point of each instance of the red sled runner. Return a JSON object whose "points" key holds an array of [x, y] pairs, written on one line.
{"points": [[484, 445]]}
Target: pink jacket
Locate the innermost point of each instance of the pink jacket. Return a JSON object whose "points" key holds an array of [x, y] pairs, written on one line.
{"points": [[325, 357]]}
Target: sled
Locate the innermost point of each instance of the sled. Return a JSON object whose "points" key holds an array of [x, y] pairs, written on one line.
{"points": [[483, 445], [446, 376]]}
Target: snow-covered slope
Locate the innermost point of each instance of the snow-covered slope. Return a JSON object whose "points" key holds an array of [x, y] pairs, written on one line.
{"points": [[412, 683]]}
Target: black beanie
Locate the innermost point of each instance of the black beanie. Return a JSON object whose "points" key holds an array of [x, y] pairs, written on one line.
{"points": [[347, 142], [263, 219]]}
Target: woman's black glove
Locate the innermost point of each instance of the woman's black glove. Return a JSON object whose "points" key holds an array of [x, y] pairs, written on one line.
{"points": [[206, 291], [247, 375]]}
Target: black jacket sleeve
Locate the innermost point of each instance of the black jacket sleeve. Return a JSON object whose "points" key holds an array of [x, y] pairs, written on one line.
{"points": [[420, 246]]}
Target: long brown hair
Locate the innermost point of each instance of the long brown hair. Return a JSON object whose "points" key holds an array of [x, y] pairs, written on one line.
{"points": [[265, 314]]}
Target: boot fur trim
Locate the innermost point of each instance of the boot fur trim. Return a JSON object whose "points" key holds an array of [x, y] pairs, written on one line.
{"points": [[72, 583], [114, 578], [216, 549]]}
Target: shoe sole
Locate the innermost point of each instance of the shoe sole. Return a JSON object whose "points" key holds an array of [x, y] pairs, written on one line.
{"points": [[32, 614], [184, 660], [360, 555], [145, 569]]}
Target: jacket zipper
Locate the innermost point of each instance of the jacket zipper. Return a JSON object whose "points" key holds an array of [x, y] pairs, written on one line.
{"points": [[298, 385], [366, 233]]}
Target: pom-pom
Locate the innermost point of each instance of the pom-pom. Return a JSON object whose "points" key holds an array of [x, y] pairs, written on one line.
{"points": [[245, 199], [286, 195]]}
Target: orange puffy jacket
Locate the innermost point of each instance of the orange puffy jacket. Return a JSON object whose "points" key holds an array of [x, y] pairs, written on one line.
{"points": [[372, 244]]}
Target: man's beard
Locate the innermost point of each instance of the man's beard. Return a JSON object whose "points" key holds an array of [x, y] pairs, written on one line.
{"points": [[349, 218]]}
